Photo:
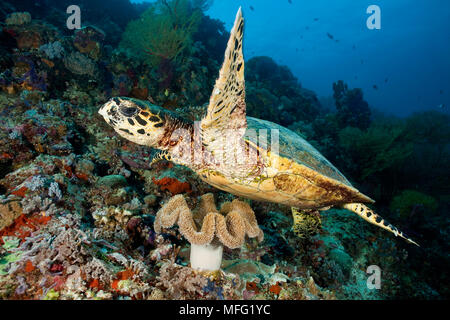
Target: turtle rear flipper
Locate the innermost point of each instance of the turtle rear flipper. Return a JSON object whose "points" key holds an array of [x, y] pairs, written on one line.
{"points": [[367, 214]]}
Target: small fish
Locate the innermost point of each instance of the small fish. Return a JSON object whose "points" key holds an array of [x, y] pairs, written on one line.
{"points": [[316, 19], [386, 80], [441, 91], [251, 8], [166, 92], [362, 61], [307, 28], [330, 36], [296, 49], [354, 47], [441, 106], [290, 1], [337, 41], [356, 77], [149, 98], [375, 87]]}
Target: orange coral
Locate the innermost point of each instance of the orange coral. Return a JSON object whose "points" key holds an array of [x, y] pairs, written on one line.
{"points": [[172, 185], [89, 47], [23, 226], [95, 283], [276, 289], [114, 284], [29, 266], [251, 286], [82, 176], [68, 169], [51, 64], [121, 275], [20, 192], [28, 39], [125, 275], [5, 155]]}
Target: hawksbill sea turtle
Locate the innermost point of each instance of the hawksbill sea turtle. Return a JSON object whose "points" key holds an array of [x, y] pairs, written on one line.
{"points": [[290, 171]]}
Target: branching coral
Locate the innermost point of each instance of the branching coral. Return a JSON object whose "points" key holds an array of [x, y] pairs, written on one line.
{"points": [[71, 247], [181, 281], [97, 270], [164, 30], [111, 218], [228, 227]]}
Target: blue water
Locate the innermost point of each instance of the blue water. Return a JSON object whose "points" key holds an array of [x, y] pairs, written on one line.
{"points": [[407, 59]]}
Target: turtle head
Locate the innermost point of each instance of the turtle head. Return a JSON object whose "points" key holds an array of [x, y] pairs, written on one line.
{"points": [[138, 121]]}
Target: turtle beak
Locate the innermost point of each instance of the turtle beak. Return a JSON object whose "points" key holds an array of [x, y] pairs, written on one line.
{"points": [[102, 111]]}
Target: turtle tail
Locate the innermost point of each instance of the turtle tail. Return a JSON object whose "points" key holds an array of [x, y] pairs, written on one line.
{"points": [[367, 214]]}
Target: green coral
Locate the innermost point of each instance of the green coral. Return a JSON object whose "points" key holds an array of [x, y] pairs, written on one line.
{"points": [[406, 201], [6, 260], [51, 295], [10, 242], [164, 31], [379, 148], [429, 127]]}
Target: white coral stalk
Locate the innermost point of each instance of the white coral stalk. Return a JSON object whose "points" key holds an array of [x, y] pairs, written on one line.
{"points": [[206, 257]]}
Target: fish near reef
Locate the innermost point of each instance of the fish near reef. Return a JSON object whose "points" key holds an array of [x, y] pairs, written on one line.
{"points": [[225, 151]]}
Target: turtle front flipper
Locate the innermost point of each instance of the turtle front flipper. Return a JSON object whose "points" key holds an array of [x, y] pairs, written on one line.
{"points": [[226, 109], [367, 214], [162, 155]]}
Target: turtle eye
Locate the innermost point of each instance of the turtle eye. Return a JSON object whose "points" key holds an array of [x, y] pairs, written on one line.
{"points": [[128, 112]]}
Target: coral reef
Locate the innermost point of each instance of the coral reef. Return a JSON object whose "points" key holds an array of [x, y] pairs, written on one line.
{"points": [[352, 110], [78, 203], [376, 149], [274, 94], [18, 18]]}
